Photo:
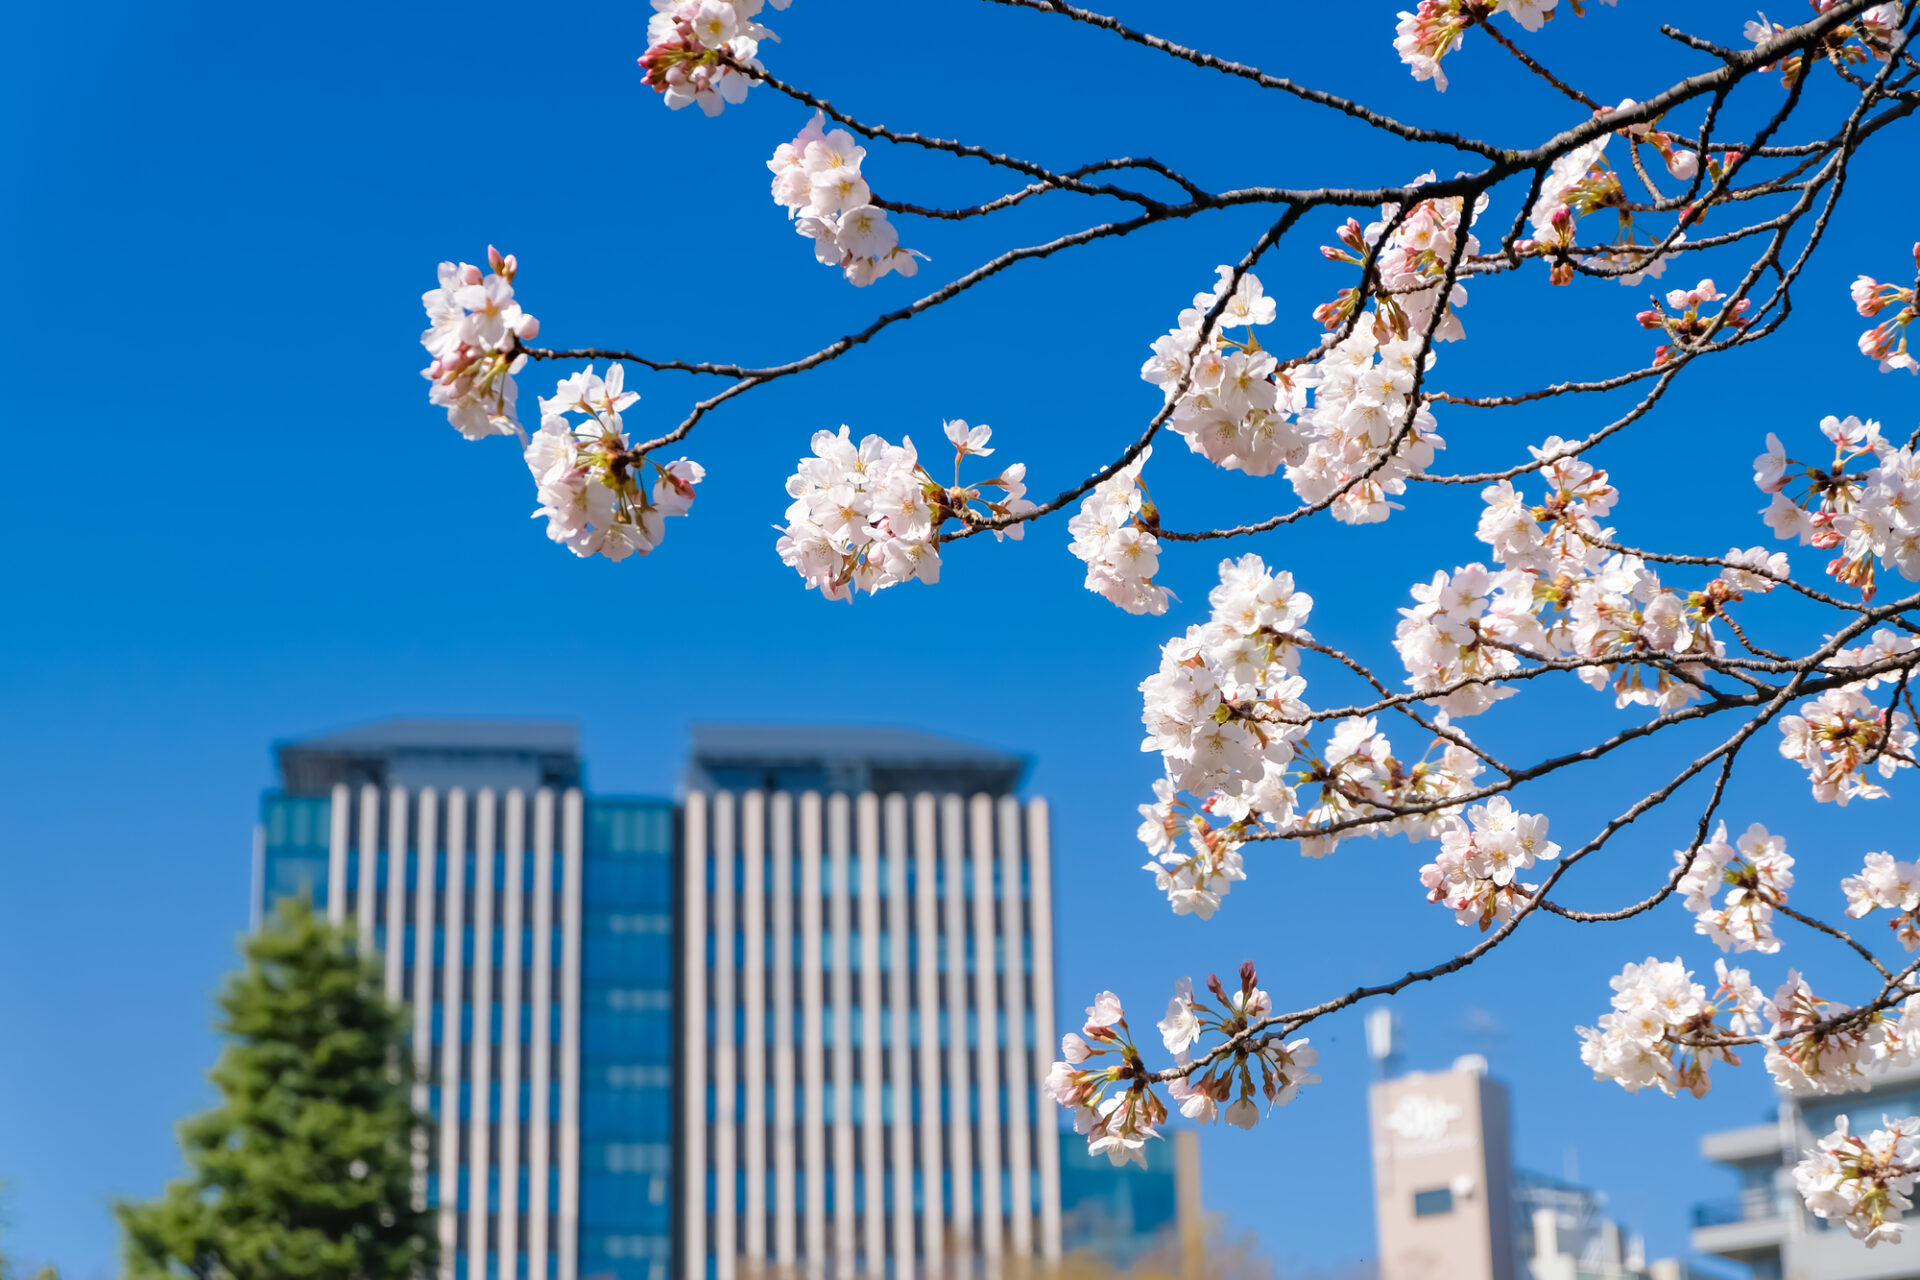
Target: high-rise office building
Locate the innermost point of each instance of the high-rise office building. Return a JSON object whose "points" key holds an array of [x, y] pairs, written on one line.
{"points": [[530, 931], [868, 1010], [799, 1018]]}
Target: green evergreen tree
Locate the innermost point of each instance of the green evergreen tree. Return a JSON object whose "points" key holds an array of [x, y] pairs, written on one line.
{"points": [[304, 1172]]}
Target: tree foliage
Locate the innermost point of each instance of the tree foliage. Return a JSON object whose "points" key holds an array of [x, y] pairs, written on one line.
{"points": [[305, 1169]]}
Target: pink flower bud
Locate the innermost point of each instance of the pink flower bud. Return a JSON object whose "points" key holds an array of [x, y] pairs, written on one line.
{"points": [[469, 274], [528, 329], [494, 259]]}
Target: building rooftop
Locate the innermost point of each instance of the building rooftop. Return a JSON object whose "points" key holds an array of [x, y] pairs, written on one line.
{"points": [[416, 752], [845, 758]]}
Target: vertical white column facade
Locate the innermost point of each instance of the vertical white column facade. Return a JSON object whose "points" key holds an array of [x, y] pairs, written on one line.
{"points": [[396, 953], [900, 1085], [871, 999], [929, 1173], [726, 1239], [1013, 999], [512, 1028], [453, 999], [572, 867], [426, 856], [957, 1097], [1040, 911], [337, 856], [812, 1051], [840, 989], [786, 1249], [540, 1042], [480, 1072], [693, 1025], [753, 1045], [986, 1016], [518, 1004], [369, 864], [872, 1180]]}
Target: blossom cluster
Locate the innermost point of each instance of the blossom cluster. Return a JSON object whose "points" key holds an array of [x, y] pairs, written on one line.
{"points": [[593, 488], [1411, 263], [474, 332], [1473, 874], [1867, 516], [816, 179], [1226, 713], [1113, 534], [1839, 736], [1234, 1016], [1886, 883], [1886, 342], [1560, 594], [1117, 1121], [1662, 1026], [1665, 1030], [1435, 27], [1114, 1103], [1870, 35], [693, 46], [1866, 1183], [1756, 874], [1582, 182], [1364, 432], [1687, 329], [1681, 163], [868, 516]]}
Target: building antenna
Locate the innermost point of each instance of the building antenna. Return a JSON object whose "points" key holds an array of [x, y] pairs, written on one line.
{"points": [[1384, 1041]]}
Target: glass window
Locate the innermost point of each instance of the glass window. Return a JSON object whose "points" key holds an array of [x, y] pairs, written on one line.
{"points": [[1438, 1200]]}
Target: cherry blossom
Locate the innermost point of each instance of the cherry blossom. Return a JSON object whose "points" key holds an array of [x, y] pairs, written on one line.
{"points": [[817, 180], [1865, 1183], [1688, 329], [690, 45], [1886, 342], [1113, 533], [593, 487], [868, 516], [1119, 1123], [1885, 883], [1839, 736], [474, 333], [1660, 1030], [1756, 874], [1808, 1051], [1473, 874]]}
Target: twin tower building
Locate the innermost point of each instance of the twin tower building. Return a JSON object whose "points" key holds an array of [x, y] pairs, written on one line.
{"points": [[791, 1024]]}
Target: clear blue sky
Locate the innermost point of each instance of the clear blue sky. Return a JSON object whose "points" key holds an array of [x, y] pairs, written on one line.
{"points": [[231, 516]]}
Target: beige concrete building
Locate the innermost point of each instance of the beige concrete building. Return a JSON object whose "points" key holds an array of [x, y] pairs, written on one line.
{"points": [[1449, 1204], [1443, 1176]]}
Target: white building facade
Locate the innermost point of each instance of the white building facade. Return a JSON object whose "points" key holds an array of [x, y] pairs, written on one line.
{"points": [[443, 873], [1765, 1224], [867, 1019]]}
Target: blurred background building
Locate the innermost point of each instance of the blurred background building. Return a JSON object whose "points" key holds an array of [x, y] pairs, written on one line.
{"points": [[1764, 1225], [868, 1009], [531, 931], [1449, 1203], [796, 1020]]}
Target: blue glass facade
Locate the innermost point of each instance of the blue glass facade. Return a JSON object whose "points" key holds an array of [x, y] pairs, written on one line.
{"points": [[1117, 1213], [294, 832], [627, 1109]]}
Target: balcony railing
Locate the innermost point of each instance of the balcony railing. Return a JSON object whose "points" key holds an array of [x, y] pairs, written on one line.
{"points": [[1755, 1204]]}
